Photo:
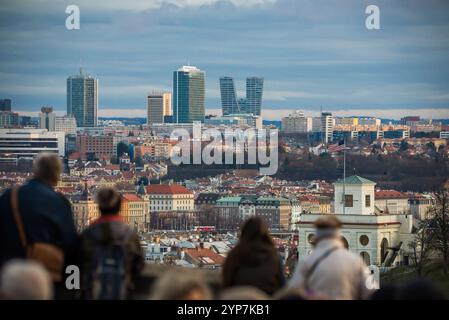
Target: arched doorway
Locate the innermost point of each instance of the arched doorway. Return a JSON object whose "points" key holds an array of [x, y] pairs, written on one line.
{"points": [[366, 258], [345, 242], [383, 250]]}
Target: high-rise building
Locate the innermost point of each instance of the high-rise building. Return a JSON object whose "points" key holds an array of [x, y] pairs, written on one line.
{"points": [[229, 102], [5, 104], [242, 104], [82, 99], [166, 96], [158, 107], [9, 119], [48, 120], [296, 123], [188, 95], [254, 91], [327, 127]]}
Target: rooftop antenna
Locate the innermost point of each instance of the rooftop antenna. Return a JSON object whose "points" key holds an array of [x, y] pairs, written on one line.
{"points": [[81, 67]]}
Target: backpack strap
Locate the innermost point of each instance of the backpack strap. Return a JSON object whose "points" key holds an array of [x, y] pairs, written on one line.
{"points": [[16, 213], [315, 265]]}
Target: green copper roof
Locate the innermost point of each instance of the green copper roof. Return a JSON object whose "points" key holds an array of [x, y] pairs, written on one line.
{"points": [[355, 180], [229, 199]]}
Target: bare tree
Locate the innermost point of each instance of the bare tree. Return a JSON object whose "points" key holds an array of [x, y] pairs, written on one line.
{"points": [[439, 219], [420, 248]]}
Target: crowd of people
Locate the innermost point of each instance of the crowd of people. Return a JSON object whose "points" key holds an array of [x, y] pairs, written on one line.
{"points": [[38, 239]]}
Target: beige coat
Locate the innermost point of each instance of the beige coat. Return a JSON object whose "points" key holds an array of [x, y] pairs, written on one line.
{"points": [[341, 275]]}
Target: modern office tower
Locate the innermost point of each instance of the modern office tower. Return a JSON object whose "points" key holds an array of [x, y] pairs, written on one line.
{"points": [[296, 123], [242, 104], [29, 142], [5, 104], [47, 119], [8, 119], [229, 103], [188, 95], [167, 104], [158, 107], [327, 127], [254, 91], [82, 99], [25, 121]]}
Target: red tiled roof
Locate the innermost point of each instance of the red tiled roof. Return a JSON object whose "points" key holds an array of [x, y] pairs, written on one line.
{"points": [[127, 175], [74, 156], [167, 189], [199, 254], [130, 197], [112, 167], [389, 194]]}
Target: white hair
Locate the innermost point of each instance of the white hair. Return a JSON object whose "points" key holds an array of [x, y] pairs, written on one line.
{"points": [[25, 280]]}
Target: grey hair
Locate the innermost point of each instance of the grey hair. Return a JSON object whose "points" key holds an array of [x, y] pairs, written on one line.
{"points": [[25, 280], [47, 166], [175, 285]]}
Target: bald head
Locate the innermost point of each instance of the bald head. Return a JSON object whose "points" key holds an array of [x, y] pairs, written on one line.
{"points": [[47, 167], [25, 280]]}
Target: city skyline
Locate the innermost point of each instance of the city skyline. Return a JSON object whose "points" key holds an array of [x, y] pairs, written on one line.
{"points": [[299, 50]]}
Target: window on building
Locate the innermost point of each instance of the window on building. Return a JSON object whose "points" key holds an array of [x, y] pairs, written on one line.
{"points": [[367, 201], [349, 200], [364, 240]]}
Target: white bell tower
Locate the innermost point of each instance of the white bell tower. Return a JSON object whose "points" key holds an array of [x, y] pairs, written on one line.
{"points": [[354, 196]]}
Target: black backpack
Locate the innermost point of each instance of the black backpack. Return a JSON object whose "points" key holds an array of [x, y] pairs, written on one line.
{"points": [[110, 280]]}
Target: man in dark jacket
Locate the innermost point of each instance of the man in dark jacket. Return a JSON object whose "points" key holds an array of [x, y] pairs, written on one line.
{"points": [[111, 255], [46, 214]]}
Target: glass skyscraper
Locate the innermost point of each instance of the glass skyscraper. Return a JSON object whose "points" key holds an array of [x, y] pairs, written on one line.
{"points": [[5, 104], [252, 104], [229, 103], [82, 99], [188, 95], [254, 90]]}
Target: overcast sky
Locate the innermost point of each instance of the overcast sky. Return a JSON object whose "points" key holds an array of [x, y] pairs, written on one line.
{"points": [[311, 53]]}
